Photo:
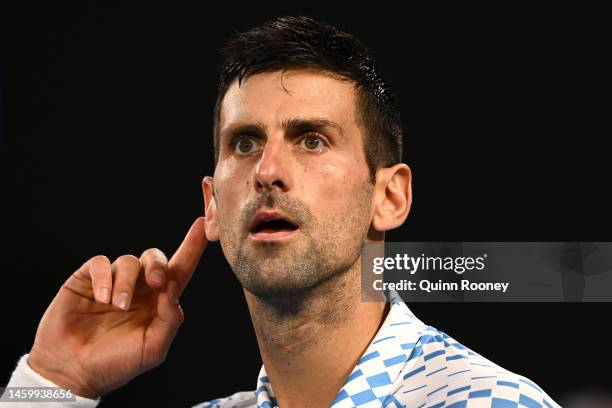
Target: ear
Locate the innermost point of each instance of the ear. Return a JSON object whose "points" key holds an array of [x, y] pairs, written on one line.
{"points": [[210, 209], [392, 197]]}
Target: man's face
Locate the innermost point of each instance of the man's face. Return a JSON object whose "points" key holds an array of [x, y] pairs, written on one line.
{"points": [[290, 147]]}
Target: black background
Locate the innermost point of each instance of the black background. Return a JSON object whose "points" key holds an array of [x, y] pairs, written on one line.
{"points": [[106, 135]]}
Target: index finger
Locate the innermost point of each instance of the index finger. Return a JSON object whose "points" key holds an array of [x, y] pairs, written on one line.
{"points": [[186, 258]]}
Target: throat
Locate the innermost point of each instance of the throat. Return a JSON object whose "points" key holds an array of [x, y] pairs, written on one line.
{"points": [[309, 355]]}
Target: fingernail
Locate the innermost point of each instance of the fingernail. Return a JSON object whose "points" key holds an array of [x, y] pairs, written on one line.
{"points": [[123, 300], [157, 277], [103, 294], [173, 291]]}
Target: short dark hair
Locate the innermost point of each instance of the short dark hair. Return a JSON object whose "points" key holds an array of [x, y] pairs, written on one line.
{"points": [[289, 43]]}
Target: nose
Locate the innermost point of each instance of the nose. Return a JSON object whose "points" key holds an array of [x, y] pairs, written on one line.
{"points": [[272, 170]]}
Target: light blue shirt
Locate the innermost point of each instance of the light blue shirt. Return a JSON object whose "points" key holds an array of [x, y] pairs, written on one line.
{"points": [[411, 364], [408, 364]]}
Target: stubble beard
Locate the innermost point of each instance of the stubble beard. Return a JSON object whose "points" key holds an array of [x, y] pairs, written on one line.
{"points": [[285, 277]]}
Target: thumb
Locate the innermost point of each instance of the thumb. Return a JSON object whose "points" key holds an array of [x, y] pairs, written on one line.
{"points": [[163, 328]]}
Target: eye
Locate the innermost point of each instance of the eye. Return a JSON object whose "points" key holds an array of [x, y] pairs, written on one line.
{"points": [[244, 145], [312, 142]]}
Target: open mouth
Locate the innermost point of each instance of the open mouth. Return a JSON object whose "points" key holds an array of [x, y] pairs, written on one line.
{"points": [[272, 226]]}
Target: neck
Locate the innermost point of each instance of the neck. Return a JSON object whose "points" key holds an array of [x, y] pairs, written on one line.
{"points": [[311, 343]]}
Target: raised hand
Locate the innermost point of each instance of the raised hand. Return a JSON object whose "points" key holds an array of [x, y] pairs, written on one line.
{"points": [[110, 322]]}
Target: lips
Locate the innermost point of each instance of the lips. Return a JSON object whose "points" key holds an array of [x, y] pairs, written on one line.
{"points": [[271, 226]]}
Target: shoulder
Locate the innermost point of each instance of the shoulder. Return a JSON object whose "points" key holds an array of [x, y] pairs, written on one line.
{"points": [[498, 388], [241, 399], [456, 376]]}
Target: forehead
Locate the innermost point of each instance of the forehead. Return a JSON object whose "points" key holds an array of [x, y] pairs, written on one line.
{"points": [[271, 97]]}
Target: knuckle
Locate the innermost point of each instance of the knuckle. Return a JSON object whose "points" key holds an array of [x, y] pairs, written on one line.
{"points": [[160, 256], [127, 261], [153, 251], [99, 259], [156, 256]]}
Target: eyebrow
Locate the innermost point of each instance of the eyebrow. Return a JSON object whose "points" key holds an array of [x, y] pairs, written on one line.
{"points": [[290, 125], [302, 125]]}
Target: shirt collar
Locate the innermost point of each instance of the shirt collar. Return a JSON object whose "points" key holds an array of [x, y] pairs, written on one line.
{"points": [[380, 365]]}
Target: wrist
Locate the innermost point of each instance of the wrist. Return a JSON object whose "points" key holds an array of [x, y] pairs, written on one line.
{"points": [[55, 372]]}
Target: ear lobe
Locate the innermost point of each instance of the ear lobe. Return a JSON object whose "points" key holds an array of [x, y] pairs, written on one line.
{"points": [[392, 197], [210, 209]]}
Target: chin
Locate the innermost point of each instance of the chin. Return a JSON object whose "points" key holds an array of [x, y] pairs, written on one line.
{"points": [[278, 287]]}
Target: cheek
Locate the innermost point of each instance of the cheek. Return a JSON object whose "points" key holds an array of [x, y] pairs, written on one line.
{"points": [[235, 175], [232, 188], [336, 189]]}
